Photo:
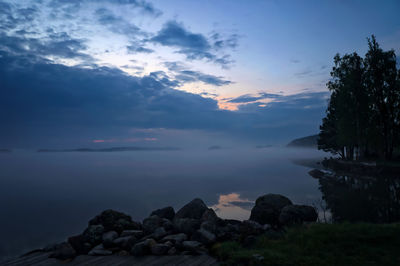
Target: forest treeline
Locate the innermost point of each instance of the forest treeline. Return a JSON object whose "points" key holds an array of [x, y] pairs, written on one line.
{"points": [[363, 114]]}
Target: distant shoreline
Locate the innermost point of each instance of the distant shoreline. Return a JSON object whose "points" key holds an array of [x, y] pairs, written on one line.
{"points": [[113, 149]]}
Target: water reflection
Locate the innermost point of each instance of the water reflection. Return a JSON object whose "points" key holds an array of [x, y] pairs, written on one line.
{"points": [[361, 199], [232, 205]]}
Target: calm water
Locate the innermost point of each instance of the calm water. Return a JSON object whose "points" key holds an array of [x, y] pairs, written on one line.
{"points": [[45, 197]]}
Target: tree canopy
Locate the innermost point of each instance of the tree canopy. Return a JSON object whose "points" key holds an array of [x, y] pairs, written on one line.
{"points": [[363, 115]]}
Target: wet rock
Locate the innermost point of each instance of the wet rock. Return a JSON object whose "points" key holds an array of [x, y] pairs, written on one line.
{"points": [[108, 238], [99, 250], [159, 249], [192, 210], [187, 225], [167, 213], [177, 238], [93, 234], [268, 207], [63, 251], [297, 214]]}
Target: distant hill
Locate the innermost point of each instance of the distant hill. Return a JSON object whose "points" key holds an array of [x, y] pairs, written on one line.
{"points": [[113, 149], [306, 142]]}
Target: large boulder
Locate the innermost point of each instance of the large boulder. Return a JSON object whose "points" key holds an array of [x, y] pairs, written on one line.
{"points": [[268, 207], [167, 213], [297, 214], [99, 250], [151, 223], [79, 244], [93, 234], [176, 239], [108, 238], [193, 210], [187, 225], [115, 221]]}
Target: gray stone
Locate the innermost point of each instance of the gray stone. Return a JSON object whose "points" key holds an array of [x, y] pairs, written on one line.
{"points": [[191, 245], [150, 242], [93, 234], [268, 208], [159, 233], [140, 249], [125, 242], [159, 249], [108, 238], [114, 221], [192, 210], [177, 238], [167, 213], [172, 251], [204, 236], [187, 225], [151, 223], [99, 250], [135, 233]]}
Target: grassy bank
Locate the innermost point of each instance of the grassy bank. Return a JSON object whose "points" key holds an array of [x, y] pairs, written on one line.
{"points": [[319, 244]]}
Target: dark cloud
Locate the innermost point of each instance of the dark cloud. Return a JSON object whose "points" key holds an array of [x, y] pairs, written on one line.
{"points": [[137, 47], [41, 101], [117, 24], [194, 46], [183, 75], [294, 61], [246, 98], [144, 6]]}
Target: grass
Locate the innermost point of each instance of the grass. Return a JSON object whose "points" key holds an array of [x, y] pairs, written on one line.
{"points": [[319, 244]]}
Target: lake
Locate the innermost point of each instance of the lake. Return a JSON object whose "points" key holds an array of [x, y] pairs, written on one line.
{"points": [[46, 197]]}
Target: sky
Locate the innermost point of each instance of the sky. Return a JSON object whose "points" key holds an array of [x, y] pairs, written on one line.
{"points": [[134, 72]]}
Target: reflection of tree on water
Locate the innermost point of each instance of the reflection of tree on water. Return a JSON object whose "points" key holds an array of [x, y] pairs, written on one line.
{"points": [[368, 199]]}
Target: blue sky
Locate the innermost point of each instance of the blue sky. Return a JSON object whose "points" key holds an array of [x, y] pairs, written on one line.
{"points": [[135, 71]]}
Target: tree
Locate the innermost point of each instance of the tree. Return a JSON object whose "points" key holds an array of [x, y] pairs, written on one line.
{"points": [[363, 114]]}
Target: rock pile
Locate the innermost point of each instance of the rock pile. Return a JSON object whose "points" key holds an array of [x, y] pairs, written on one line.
{"points": [[191, 230]]}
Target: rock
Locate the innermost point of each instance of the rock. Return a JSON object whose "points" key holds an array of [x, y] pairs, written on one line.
{"points": [[159, 233], [123, 253], [151, 223], [93, 234], [297, 214], [79, 245], [178, 238], [209, 226], [268, 208], [99, 250], [167, 213], [140, 249], [115, 221], [172, 251], [192, 210], [204, 236], [135, 233], [63, 251], [316, 173], [108, 238], [159, 249], [125, 242], [210, 215], [186, 225], [249, 227], [150, 242], [191, 245], [169, 243], [167, 224]]}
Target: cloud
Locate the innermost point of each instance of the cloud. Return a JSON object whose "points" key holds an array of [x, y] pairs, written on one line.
{"points": [[246, 98], [41, 101], [183, 75], [136, 47], [117, 24], [194, 46]]}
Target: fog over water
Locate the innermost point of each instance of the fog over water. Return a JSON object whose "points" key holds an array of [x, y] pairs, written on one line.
{"points": [[46, 197]]}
